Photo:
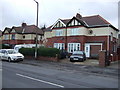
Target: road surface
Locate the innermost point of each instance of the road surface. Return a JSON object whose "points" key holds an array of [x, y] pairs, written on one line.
{"points": [[18, 75]]}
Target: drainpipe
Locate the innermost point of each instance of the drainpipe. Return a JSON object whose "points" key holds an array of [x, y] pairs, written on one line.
{"points": [[108, 46], [108, 40]]}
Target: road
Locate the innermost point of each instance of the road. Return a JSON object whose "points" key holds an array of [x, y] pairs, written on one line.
{"points": [[18, 75]]}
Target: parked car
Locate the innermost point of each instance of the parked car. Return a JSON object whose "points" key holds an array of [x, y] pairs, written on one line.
{"points": [[17, 47], [10, 55], [78, 56]]}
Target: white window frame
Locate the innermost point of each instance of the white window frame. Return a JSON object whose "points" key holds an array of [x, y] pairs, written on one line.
{"points": [[6, 37], [59, 45], [59, 33], [13, 36], [75, 31], [73, 47]]}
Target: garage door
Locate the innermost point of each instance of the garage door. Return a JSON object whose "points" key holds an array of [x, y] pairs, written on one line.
{"points": [[94, 51]]}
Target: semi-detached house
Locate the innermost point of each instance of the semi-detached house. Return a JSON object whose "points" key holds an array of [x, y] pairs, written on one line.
{"points": [[24, 34], [89, 34]]}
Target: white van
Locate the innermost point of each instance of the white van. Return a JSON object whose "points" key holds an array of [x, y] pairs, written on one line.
{"points": [[17, 47]]}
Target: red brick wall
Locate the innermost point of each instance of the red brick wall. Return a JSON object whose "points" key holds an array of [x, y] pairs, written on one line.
{"points": [[83, 39], [42, 58], [78, 39]]}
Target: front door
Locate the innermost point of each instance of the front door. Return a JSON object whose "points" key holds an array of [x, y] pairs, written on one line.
{"points": [[87, 50]]}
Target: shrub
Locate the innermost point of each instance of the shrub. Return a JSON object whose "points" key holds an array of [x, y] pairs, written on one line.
{"points": [[27, 51], [6, 46], [42, 51]]}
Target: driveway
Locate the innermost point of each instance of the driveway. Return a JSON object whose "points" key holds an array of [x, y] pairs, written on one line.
{"points": [[92, 62]]}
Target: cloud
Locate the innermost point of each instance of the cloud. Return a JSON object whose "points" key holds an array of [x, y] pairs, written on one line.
{"points": [[14, 12]]}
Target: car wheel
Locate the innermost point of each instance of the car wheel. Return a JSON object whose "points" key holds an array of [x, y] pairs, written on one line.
{"points": [[71, 60], [9, 59]]}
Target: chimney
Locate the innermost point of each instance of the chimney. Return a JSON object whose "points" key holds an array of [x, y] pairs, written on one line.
{"points": [[79, 16], [24, 24]]}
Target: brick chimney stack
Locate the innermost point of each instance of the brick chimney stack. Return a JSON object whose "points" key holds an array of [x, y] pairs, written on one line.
{"points": [[24, 25], [79, 16]]}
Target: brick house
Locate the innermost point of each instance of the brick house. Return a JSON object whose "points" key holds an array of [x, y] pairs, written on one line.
{"points": [[24, 34], [89, 34]]}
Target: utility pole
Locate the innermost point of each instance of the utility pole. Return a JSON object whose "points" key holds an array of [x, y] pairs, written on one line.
{"points": [[36, 30]]}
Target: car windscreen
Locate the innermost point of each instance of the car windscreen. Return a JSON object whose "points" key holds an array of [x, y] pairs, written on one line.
{"points": [[11, 52], [77, 53]]}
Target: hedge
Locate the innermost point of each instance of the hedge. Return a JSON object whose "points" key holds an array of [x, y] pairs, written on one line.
{"points": [[4, 46], [27, 51], [42, 51]]}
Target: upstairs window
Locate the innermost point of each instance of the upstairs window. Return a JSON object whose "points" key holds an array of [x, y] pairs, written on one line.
{"points": [[59, 33], [111, 36], [6, 37], [13, 37], [75, 31]]}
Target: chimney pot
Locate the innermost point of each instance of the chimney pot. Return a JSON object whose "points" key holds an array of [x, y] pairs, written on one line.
{"points": [[78, 16], [24, 24]]}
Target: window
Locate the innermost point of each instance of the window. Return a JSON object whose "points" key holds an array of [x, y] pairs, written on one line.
{"points": [[114, 48], [6, 37], [59, 45], [111, 36], [13, 37], [73, 47], [59, 33], [75, 31]]}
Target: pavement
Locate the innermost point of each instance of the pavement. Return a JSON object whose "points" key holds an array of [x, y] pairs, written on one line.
{"points": [[92, 62], [89, 66]]}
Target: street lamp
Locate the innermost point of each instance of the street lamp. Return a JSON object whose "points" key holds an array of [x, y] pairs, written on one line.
{"points": [[36, 30]]}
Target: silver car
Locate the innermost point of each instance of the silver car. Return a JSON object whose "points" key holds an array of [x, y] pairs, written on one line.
{"points": [[10, 55], [78, 56]]}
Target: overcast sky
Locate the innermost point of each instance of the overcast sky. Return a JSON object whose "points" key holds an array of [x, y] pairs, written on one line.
{"points": [[14, 12]]}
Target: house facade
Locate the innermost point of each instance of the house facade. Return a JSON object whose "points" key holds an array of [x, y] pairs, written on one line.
{"points": [[89, 34], [24, 34]]}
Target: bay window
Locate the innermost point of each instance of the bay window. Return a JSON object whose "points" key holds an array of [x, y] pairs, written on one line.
{"points": [[59, 45], [73, 47]]}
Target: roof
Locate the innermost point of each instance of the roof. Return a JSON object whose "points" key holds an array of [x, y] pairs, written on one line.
{"points": [[7, 29], [95, 20], [65, 21], [28, 29], [48, 29], [88, 21]]}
